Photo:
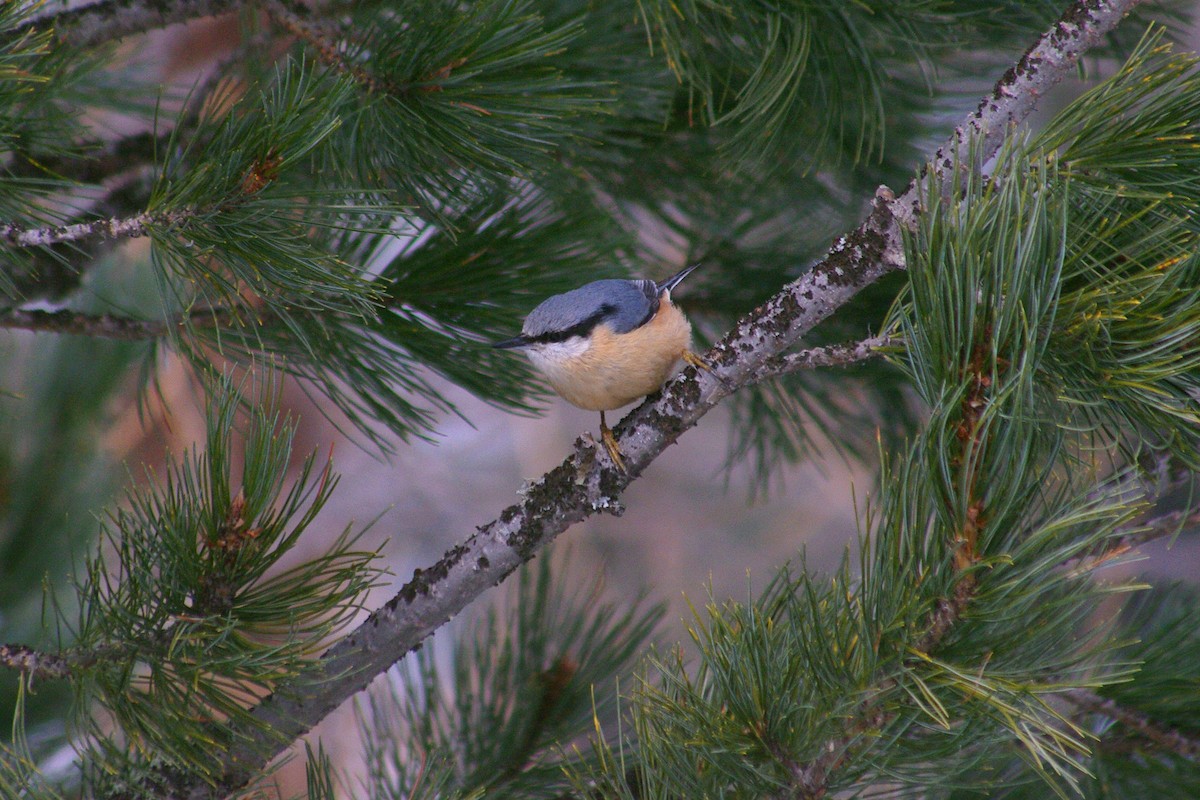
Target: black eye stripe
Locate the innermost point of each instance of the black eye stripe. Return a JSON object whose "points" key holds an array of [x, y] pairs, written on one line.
{"points": [[585, 327], [579, 329]]}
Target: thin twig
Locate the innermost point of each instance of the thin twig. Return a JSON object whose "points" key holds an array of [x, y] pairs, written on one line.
{"points": [[1159, 527], [295, 17], [834, 355], [107, 326], [1135, 535], [292, 16], [94, 160], [1138, 722], [109, 20], [39, 665], [114, 228]]}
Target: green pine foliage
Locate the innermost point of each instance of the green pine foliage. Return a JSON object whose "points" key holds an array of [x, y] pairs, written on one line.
{"points": [[273, 213], [837, 56], [35, 122], [521, 683], [932, 667], [234, 176], [450, 89], [51, 430], [184, 613]]}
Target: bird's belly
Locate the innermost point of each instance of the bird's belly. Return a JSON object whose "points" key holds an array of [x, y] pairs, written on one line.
{"points": [[613, 370], [603, 387]]}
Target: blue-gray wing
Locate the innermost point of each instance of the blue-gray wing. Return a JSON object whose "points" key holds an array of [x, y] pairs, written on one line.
{"points": [[623, 304]]}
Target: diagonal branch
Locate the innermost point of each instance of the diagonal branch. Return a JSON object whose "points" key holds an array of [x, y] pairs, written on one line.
{"points": [[45, 665], [93, 161], [126, 227], [834, 355], [107, 326], [109, 20], [1137, 722], [36, 664], [1161, 526], [581, 486], [291, 15], [584, 484]]}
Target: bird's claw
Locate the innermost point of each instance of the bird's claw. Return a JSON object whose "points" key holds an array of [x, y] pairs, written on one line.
{"points": [[703, 366], [610, 444], [696, 361]]}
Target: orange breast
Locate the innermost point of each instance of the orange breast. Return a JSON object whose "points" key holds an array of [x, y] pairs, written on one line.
{"points": [[617, 369]]}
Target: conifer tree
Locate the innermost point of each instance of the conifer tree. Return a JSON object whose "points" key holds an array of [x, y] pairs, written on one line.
{"points": [[364, 194]]}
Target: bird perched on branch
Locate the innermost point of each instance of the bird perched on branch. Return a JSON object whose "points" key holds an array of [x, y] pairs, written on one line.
{"points": [[607, 343]]}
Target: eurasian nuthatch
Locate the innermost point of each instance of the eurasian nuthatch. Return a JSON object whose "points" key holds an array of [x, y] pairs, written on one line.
{"points": [[606, 344]]}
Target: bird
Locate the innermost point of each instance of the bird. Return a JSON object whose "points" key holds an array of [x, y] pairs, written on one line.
{"points": [[607, 343]]}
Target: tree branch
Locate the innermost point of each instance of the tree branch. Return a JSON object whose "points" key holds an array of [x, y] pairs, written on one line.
{"points": [[41, 665], [581, 486], [1149, 530], [585, 483], [292, 16], [114, 228], [107, 326], [1142, 724], [45, 666], [327, 42], [108, 20], [834, 355]]}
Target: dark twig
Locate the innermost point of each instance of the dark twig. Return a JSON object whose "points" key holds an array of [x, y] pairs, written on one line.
{"points": [[293, 17], [114, 228], [328, 44], [39, 665], [94, 161], [1159, 527], [107, 326], [834, 355], [109, 20], [1139, 533], [1137, 722]]}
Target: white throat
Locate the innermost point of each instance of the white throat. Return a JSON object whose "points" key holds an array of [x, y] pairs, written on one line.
{"points": [[554, 354]]}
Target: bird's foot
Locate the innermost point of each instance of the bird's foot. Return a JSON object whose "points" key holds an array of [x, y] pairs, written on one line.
{"points": [[703, 366], [610, 444], [696, 361]]}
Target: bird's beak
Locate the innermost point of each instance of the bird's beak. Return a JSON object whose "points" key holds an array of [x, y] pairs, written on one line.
{"points": [[509, 344], [670, 283]]}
